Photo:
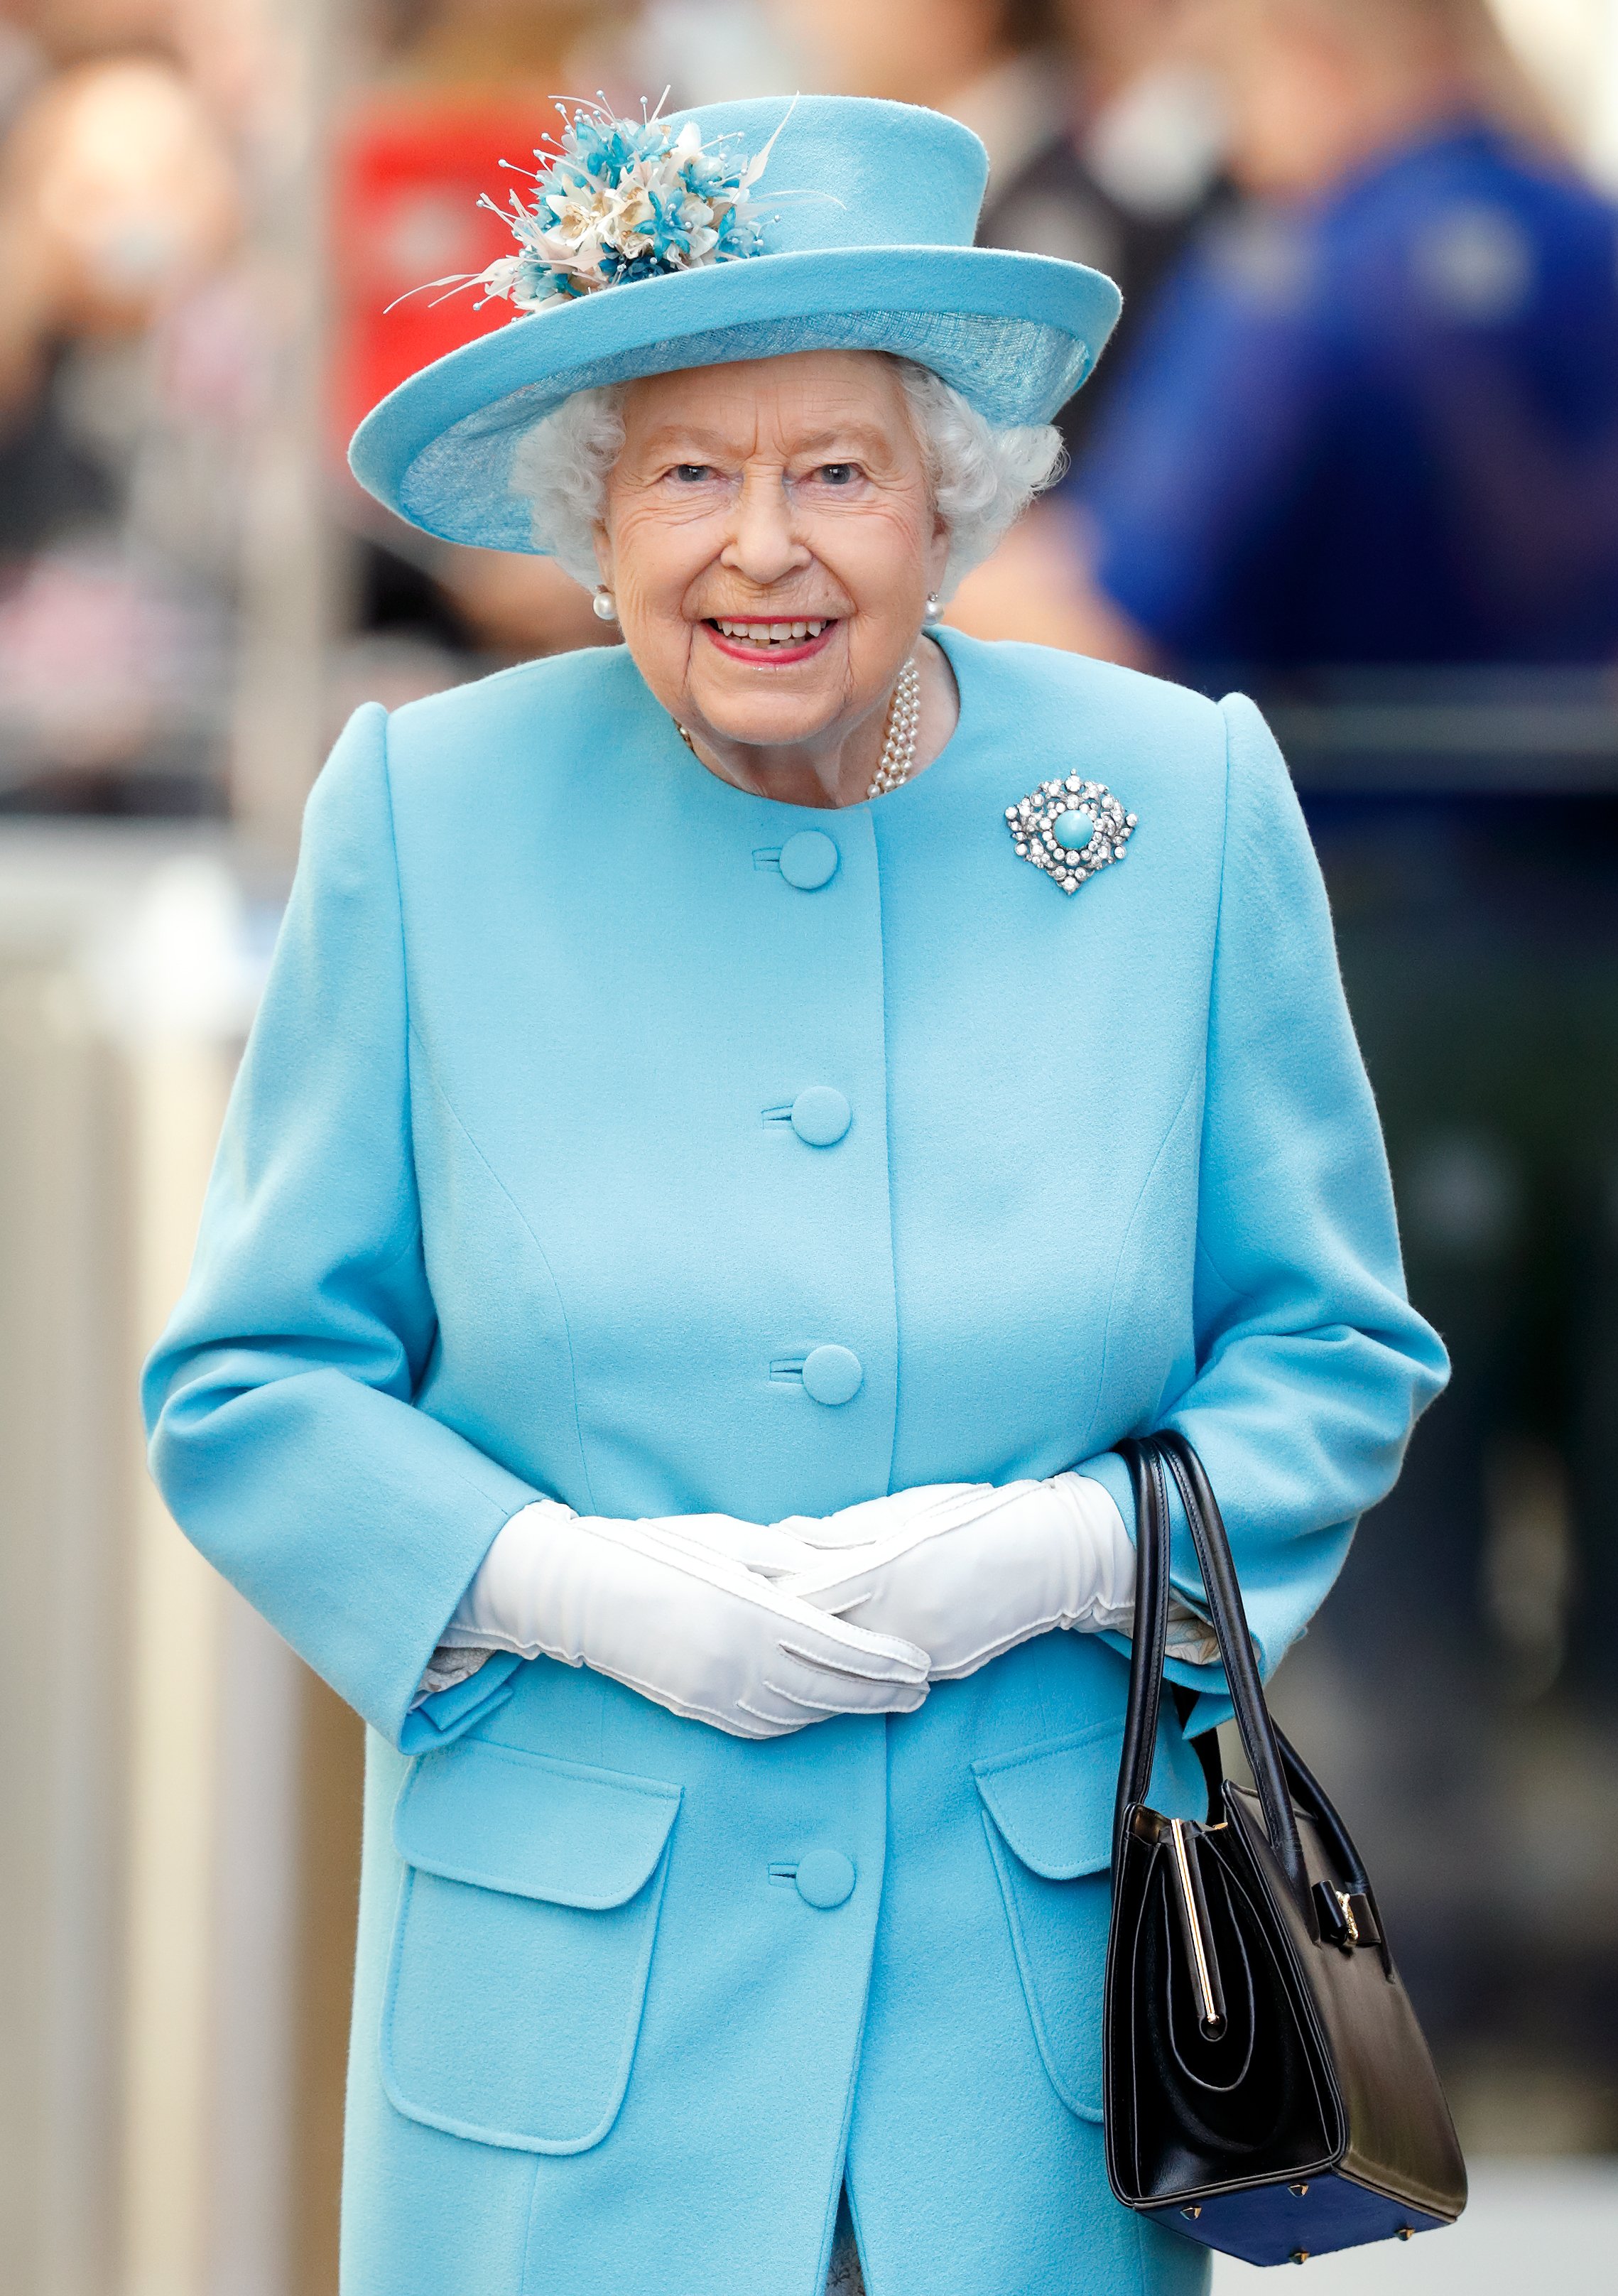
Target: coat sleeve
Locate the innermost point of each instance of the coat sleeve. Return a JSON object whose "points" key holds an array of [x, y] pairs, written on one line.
{"points": [[1310, 1365], [279, 1401]]}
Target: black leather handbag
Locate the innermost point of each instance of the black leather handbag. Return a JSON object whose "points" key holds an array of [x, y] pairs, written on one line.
{"points": [[1268, 2090]]}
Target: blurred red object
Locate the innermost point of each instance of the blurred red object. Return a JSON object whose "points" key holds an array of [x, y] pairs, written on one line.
{"points": [[410, 171]]}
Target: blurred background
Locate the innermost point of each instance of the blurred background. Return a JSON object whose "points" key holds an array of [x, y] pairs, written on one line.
{"points": [[1355, 449]]}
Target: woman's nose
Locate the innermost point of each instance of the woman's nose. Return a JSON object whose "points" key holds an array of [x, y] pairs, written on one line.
{"points": [[762, 545]]}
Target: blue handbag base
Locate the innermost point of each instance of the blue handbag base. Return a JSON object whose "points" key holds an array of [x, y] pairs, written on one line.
{"points": [[1287, 2224]]}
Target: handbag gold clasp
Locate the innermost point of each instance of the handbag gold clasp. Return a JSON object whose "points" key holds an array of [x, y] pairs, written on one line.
{"points": [[1197, 1928]]}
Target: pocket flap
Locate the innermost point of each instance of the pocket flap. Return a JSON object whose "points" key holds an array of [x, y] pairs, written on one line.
{"points": [[1053, 1802], [533, 1826]]}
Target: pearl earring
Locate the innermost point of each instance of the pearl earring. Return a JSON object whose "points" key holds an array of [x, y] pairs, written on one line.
{"points": [[606, 606], [933, 604]]}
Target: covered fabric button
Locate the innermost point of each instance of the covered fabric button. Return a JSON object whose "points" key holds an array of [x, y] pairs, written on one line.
{"points": [[825, 1878], [820, 1115], [833, 1374], [809, 860]]}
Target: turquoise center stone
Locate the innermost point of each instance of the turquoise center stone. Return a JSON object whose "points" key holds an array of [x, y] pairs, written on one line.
{"points": [[1075, 829]]}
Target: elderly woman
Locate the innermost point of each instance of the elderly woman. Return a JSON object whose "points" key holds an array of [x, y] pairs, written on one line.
{"points": [[738, 1125]]}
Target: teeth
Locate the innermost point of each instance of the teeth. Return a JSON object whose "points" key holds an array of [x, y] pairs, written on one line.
{"points": [[771, 633]]}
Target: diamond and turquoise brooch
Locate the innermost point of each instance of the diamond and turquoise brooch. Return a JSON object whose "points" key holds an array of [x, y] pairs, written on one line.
{"points": [[1070, 830]]}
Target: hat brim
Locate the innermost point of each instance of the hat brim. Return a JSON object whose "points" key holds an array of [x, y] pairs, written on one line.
{"points": [[1015, 334]]}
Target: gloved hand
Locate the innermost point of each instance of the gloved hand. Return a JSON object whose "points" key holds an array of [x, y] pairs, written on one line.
{"points": [[870, 1522], [799, 1542], [971, 1569], [672, 1615]]}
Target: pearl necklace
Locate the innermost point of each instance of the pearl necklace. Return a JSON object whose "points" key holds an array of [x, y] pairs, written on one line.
{"points": [[899, 747], [903, 725]]}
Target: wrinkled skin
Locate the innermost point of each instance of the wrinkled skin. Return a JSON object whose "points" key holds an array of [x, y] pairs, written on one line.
{"points": [[779, 490]]}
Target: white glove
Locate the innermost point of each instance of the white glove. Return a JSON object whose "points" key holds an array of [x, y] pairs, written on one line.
{"points": [[869, 1522], [895, 1539], [970, 1570], [667, 1607]]}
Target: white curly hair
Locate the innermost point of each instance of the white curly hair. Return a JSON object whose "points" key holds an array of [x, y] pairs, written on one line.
{"points": [[982, 479]]}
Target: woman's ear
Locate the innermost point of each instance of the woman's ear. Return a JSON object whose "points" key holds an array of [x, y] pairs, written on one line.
{"points": [[604, 552], [937, 556]]}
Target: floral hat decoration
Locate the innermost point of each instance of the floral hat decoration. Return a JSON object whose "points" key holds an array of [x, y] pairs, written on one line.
{"points": [[650, 244], [624, 201]]}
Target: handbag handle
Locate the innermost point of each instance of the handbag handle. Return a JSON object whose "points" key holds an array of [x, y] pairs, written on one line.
{"points": [[1147, 1461]]}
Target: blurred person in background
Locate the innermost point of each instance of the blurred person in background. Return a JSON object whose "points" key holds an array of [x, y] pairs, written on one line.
{"points": [[128, 362], [1121, 162], [1374, 419], [1102, 124]]}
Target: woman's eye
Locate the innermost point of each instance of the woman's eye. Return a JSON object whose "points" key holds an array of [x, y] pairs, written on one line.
{"points": [[839, 474], [692, 474]]}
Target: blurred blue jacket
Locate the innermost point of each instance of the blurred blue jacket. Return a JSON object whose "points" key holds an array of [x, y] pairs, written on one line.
{"points": [[1379, 429], [507, 1203]]}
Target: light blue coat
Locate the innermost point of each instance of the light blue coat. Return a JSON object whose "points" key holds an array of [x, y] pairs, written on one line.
{"points": [[509, 1203]]}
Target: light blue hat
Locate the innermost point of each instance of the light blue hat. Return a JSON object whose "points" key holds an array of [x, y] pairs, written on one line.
{"points": [[845, 224]]}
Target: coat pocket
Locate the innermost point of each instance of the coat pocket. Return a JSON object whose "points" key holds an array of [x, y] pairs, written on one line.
{"points": [[522, 1944], [1047, 1811]]}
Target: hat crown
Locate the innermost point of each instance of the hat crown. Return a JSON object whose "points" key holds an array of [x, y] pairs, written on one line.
{"points": [[851, 171]]}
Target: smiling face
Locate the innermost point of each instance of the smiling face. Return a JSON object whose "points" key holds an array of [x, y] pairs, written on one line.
{"points": [[770, 538]]}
